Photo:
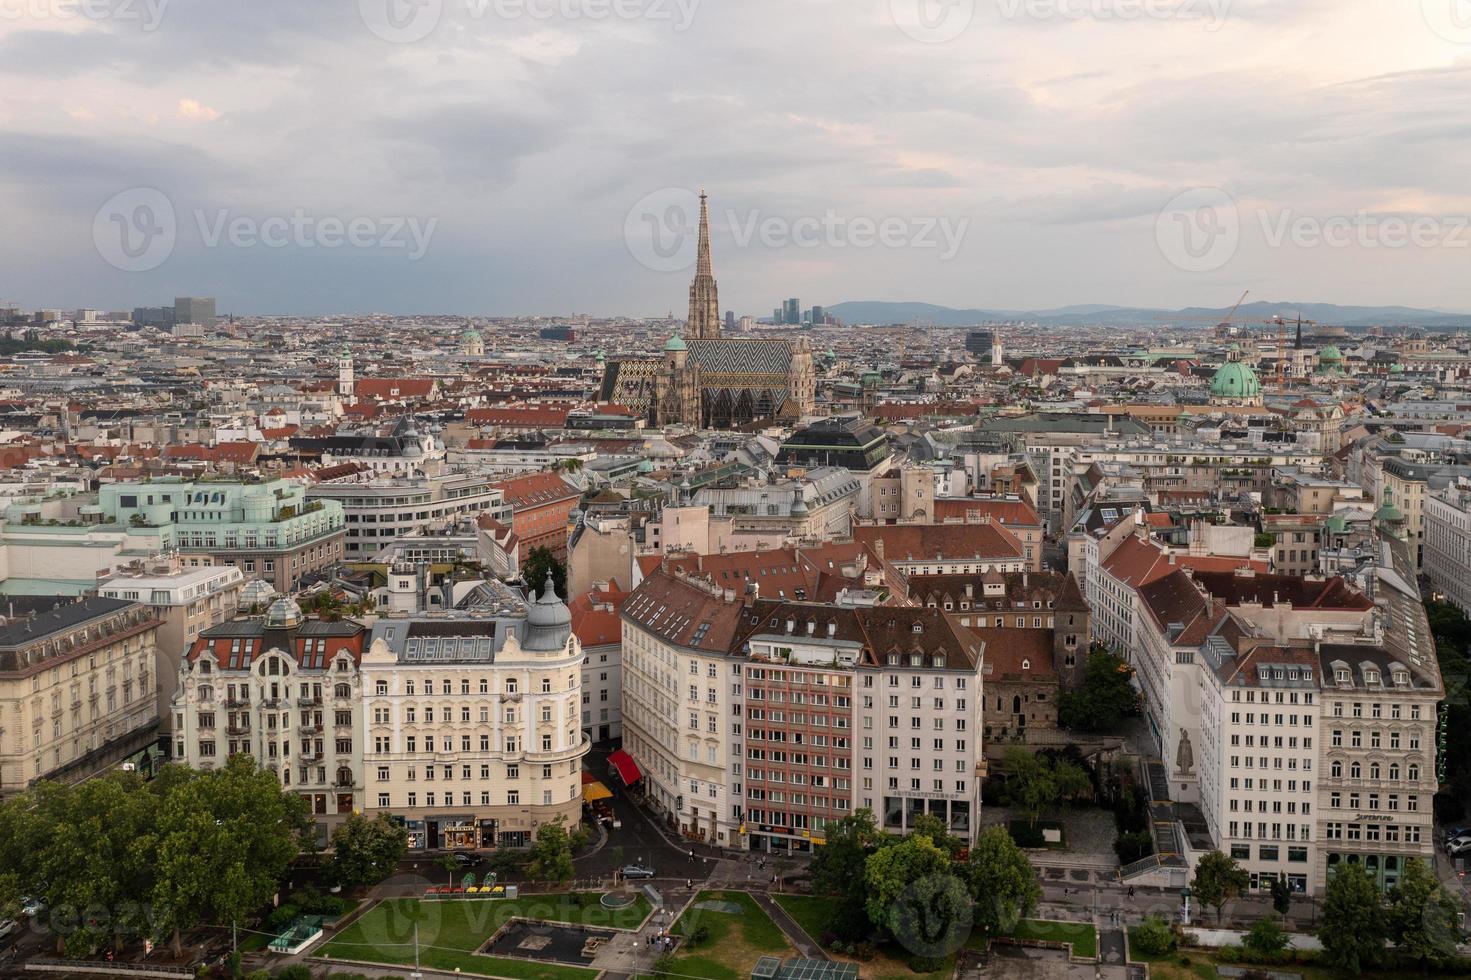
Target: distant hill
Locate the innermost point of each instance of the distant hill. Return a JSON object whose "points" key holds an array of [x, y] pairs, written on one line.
{"points": [[1327, 314]]}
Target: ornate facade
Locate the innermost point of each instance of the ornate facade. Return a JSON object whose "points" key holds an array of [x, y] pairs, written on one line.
{"points": [[705, 381]]}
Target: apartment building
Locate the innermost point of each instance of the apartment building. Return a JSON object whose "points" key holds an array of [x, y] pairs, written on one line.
{"points": [[599, 628], [1403, 487], [186, 601], [77, 687], [470, 725], [944, 549], [1448, 542], [758, 722], [378, 512], [540, 507], [285, 690], [266, 528]]}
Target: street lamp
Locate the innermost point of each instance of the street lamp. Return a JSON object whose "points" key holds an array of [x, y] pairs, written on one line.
{"points": [[1185, 894]]}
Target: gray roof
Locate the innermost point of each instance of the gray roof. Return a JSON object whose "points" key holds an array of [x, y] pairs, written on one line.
{"points": [[56, 614]]}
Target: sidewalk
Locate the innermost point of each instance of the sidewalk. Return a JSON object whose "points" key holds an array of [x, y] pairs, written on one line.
{"points": [[795, 934]]}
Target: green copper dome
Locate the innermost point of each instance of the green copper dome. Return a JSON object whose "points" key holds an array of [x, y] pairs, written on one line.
{"points": [[675, 343], [1235, 380], [1330, 354], [1388, 514]]}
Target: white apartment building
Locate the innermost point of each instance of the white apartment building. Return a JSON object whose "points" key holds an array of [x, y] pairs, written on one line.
{"points": [[284, 689], [1448, 542], [187, 601], [380, 511], [471, 721]]}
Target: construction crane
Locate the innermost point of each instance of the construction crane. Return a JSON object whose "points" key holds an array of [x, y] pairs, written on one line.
{"points": [[1230, 316]]}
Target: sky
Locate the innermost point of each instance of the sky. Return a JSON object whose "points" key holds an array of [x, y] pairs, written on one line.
{"points": [[506, 157]]}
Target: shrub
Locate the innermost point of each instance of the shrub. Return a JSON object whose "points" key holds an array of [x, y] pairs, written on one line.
{"points": [[926, 964], [1153, 937], [280, 917], [1265, 938], [699, 935]]}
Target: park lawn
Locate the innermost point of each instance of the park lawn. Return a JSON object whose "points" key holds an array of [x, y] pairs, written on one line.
{"points": [[735, 942], [451, 931], [1202, 966], [814, 912], [1083, 935]]}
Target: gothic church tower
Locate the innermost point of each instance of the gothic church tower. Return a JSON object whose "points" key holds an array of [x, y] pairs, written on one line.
{"points": [[704, 319]]}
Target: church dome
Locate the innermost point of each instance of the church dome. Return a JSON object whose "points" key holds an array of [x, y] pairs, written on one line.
{"points": [[548, 622], [1330, 355], [675, 343], [1235, 380]]}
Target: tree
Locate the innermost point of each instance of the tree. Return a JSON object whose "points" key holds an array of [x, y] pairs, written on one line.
{"points": [[1029, 781], [538, 564], [225, 838], [1002, 881], [890, 870], [1281, 896], [1422, 915], [1071, 780], [1104, 698], [934, 828], [932, 917], [551, 855], [1354, 927], [1218, 879], [1266, 938], [838, 866], [365, 851]]}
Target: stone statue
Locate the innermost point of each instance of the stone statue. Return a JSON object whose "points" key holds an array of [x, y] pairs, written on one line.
{"points": [[1185, 755]]}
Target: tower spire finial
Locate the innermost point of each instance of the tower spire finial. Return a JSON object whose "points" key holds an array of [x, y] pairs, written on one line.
{"points": [[702, 261]]}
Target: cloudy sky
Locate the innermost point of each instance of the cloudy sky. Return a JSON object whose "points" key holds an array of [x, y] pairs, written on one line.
{"points": [[522, 156]]}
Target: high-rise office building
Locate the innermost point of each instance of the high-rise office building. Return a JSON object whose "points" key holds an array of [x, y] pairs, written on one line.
{"points": [[195, 309], [730, 320], [792, 311], [819, 315]]}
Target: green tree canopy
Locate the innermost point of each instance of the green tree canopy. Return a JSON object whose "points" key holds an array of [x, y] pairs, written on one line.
{"points": [[365, 851], [551, 855], [1035, 781], [1218, 879], [890, 870], [1104, 698], [1422, 915], [534, 571], [1266, 937], [1353, 927], [838, 866], [1002, 881]]}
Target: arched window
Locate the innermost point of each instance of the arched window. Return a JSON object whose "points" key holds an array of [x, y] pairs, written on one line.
{"points": [[1394, 770], [1016, 704], [341, 691], [1373, 770], [1413, 773], [1355, 771], [1336, 769], [344, 776]]}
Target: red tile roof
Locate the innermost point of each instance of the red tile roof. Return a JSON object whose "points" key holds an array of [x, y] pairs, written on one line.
{"points": [[536, 490]]}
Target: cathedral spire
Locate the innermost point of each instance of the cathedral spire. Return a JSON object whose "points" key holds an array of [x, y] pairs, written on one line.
{"points": [[704, 318], [702, 262]]}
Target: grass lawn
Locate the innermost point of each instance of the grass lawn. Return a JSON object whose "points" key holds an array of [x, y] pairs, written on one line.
{"points": [[1200, 964], [814, 912], [450, 932], [1083, 935], [734, 942]]}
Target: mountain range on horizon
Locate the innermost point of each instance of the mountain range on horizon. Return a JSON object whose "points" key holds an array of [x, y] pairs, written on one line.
{"points": [[1093, 314]]}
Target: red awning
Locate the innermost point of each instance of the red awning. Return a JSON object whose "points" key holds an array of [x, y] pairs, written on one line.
{"points": [[588, 777], [624, 765]]}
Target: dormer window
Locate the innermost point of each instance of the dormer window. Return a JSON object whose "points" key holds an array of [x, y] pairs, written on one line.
{"points": [[919, 627], [916, 660], [1341, 675], [1371, 677], [1026, 665], [893, 660], [939, 660]]}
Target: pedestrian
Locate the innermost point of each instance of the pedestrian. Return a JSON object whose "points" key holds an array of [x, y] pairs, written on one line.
{"points": [[689, 883], [1131, 891]]}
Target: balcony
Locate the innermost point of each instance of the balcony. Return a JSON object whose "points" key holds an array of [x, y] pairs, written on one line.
{"points": [[315, 701], [237, 702], [311, 755], [314, 728], [237, 730]]}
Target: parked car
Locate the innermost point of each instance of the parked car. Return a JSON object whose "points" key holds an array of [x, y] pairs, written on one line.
{"points": [[1456, 839], [32, 906], [636, 871], [1462, 846], [7, 926], [466, 859]]}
